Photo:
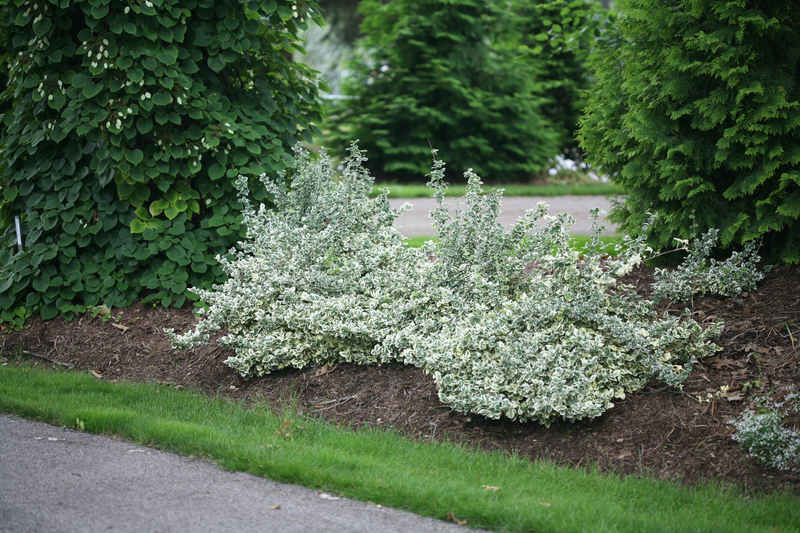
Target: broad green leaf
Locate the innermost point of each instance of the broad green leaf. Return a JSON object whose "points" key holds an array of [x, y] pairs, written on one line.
{"points": [[144, 125], [124, 62], [135, 75], [216, 171], [31, 81], [137, 226], [135, 156], [165, 34], [92, 89], [167, 58], [125, 190], [162, 99], [216, 63], [171, 212], [58, 101], [9, 193]]}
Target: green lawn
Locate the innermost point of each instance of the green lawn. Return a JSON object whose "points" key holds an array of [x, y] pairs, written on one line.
{"points": [[456, 191], [490, 490], [578, 242]]}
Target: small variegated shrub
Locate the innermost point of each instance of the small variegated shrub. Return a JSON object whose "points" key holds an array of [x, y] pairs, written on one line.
{"points": [[509, 323], [700, 274], [768, 434]]}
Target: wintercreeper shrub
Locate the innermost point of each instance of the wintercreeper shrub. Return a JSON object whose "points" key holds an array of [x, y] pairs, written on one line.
{"points": [[509, 323], [319, 278], [765, 433], [699, 274]]}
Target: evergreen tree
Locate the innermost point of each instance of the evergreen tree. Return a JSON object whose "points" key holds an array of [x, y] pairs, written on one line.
{"points": [[433, 74], [696, 113]]}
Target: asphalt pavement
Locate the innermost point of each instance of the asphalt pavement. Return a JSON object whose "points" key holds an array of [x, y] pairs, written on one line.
{"points": [[54, 479], [416, 222]]}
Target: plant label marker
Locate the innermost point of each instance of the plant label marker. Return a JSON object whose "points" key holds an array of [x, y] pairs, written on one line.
{"points": [[19, 233]]}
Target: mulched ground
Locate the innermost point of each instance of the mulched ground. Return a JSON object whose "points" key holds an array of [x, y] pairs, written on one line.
{"points": [[659, 431]]}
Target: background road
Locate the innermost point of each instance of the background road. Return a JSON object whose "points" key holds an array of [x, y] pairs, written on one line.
{"points": [[415, 223], [53, 479]]}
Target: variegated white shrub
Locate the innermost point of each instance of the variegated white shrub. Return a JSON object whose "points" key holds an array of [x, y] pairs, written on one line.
{"points": [[701, 274], [325, 277], [767, 433]]}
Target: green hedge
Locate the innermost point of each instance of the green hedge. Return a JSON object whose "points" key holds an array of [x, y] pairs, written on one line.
{"points": [[128, 122]]}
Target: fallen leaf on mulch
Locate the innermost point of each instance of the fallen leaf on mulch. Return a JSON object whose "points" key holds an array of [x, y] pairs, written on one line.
{"points": [[753, 347], [718, 362]]}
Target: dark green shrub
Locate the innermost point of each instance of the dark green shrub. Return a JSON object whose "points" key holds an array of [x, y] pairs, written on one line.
{"points": [[696, 113], [129, 122], [559, 35], [434, 73]]}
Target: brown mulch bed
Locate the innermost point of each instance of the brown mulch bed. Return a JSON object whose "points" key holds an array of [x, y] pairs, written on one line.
{"points": [[659, 431]]}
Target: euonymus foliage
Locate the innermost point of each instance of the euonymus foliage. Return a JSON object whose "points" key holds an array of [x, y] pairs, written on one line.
{"points": [[696, 113], [325, 277], [128, 122]]}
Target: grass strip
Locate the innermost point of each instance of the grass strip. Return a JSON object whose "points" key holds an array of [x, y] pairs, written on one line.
{"points": [[457, 191], [380, 466], [578, 242]]}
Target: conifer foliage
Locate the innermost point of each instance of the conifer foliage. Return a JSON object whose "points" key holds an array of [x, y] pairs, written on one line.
{"points": [[696, 113], [433, 73], [128, 122]]}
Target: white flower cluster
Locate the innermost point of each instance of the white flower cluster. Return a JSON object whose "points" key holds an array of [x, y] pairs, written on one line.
{"points": [[765, 434], [509, 323], [699, 274], [561, 164], [97, 56]]}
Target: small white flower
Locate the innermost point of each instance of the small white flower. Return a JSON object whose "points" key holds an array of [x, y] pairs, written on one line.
{"points": [[179, 100], [130, 110], [127, 9], [105, 42]]}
